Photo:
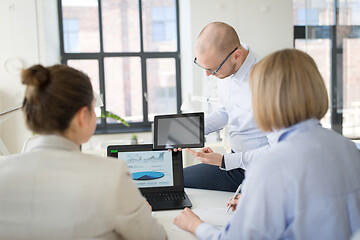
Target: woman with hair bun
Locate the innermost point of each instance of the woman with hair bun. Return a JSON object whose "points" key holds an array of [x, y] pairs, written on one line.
{"points": [[308, 185], [52, 190]]}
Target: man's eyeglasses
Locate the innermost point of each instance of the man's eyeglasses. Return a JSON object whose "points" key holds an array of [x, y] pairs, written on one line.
{"points": [[215, 72]]}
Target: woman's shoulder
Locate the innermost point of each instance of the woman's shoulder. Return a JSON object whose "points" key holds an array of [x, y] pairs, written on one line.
{"points": [[57, 158], [102, 160]]}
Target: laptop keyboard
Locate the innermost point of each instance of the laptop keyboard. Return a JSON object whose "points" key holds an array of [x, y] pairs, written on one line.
{"points": [[165, 196]]}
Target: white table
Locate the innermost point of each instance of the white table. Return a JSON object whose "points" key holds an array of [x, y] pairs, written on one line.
{"points": [[198, 198]]}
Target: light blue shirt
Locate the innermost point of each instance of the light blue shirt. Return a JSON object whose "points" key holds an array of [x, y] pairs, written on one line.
{"points": [[235, 110], [306, 187]]}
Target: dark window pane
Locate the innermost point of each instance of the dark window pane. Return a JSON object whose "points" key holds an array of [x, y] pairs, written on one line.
{"points": [[158, 31], [159, 25], [349, 12], [124, 88], [313, 12], [91, 68], [161, 78], [121, 28], [71, 35], [81, 25]]}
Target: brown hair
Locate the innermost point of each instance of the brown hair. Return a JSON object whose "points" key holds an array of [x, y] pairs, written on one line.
{"points": [[53, 96], [287, 88]]}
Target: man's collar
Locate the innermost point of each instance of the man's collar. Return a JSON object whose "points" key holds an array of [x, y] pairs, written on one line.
{"points": [[245, 68]]}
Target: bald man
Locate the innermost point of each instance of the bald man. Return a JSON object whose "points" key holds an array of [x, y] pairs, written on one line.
{"points": [[219, 52]]}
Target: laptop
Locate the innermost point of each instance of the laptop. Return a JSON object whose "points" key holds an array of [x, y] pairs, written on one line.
{"points": [[157, 173]]}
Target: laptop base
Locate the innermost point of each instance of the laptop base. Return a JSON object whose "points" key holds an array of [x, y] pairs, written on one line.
{"points": [[169, 204]]}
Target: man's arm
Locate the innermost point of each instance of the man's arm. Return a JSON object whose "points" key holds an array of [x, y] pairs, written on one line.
{"points": [[216, 120], [229, 161], [243, 159]]}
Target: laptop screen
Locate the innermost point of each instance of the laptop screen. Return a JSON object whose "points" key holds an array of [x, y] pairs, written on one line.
{"points": [[151, 170]]}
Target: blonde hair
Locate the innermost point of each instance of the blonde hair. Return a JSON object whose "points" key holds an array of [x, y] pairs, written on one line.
{"points": [[287, 88]]}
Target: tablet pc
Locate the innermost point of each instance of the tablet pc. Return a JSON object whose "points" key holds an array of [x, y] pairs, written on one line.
{"points": [[179, 131]]}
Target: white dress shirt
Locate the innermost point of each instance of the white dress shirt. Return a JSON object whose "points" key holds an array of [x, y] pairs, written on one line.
{"points": [[235, 110], [53, 191], [306, 187], [244, 159]]}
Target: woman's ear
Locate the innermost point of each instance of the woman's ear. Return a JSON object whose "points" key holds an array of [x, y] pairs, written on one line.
{"points": [[79, 127], [82, 116]]}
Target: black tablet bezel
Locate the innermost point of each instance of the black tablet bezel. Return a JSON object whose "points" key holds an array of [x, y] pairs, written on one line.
{"points": [[167, 116]]}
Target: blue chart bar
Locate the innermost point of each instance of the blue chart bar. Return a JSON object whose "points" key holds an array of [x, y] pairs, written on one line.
{"points": [[147, 175]]}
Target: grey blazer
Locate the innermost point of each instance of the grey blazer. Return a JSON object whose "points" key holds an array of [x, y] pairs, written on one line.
{"points": [[53, 191]]}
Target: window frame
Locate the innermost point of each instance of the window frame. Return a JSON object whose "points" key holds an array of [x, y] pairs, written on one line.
{"points": [[300, 32], [336, 78], [145, 125]]}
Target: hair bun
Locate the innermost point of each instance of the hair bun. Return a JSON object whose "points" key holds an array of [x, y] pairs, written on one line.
{"points": [[36, 75]]}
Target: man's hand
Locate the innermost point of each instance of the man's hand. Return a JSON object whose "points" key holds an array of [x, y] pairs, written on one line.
{"points": [[187, 220], [206, 155], [206, 150], [233, 202]]}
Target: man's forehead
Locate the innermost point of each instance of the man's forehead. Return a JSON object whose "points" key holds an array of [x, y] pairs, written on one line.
{"points": [[207, 59]]}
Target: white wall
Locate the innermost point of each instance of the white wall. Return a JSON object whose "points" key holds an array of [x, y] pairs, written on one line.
{"points": [[29, 33], [27, 38], [266, 25], [18, 46]]}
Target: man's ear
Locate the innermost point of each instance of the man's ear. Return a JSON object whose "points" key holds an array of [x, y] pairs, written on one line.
{"points": [[238, 53]]}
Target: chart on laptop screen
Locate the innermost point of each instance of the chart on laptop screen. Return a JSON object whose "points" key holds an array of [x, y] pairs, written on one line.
{"points": [[150, 168]]}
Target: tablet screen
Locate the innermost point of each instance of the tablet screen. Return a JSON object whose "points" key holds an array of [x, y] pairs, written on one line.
{"points": [[179, 130]]}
